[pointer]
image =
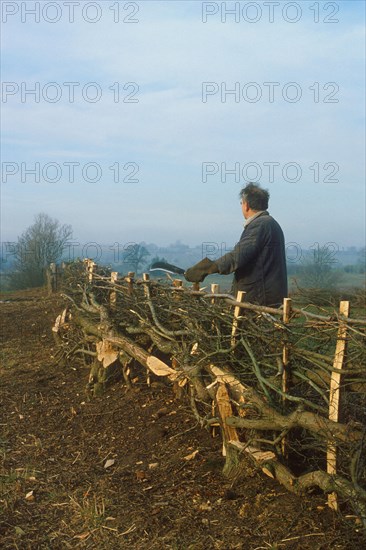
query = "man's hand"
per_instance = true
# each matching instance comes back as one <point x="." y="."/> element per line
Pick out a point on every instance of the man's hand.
<point x="199" y="271"/>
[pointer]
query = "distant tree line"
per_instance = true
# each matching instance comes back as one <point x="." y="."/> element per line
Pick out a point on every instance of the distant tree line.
<point x="46" y="239"/>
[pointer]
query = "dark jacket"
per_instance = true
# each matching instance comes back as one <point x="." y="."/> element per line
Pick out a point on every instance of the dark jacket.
<point x="258" y="262"/>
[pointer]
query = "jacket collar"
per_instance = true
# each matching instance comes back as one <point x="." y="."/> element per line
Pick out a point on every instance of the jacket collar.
<point x="256" y="215"/>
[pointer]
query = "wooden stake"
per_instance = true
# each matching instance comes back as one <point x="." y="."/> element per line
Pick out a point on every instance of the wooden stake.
<point x="52" y="278"/>
<point x="177" y="296"/>
<point x="225" y="410"/>
<point x="113" y="294"/>
<point x="215" y="289"/>
<point x="90" y="264"/>
<point x="146" y="279"/>
<point x="285" y="358"/>
<point x="130" y="280"/>
<point x="240" y="297"/>
<point x="334" y="395"/>
<point x="285" y="352"/>
<point x="286" y="319"/>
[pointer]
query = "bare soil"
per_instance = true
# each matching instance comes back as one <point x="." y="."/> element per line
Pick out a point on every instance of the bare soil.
<point x="163" y="487"/>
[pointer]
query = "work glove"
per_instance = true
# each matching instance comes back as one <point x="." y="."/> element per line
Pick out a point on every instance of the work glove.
<point x="198" y="272"/>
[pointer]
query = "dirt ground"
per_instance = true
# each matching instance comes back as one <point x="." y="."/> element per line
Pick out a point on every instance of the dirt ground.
<point x="129" y="469"/>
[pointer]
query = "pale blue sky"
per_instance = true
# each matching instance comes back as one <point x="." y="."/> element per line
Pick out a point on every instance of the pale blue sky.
<point x="170" y="132"/>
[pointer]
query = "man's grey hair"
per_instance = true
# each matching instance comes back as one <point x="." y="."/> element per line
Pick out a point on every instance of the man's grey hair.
<point x="256" y="197"/>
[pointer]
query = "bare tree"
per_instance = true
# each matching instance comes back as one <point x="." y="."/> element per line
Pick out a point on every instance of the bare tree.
<point x="135" y="256"/>
<point x="38" y="246"/>
<point x="317" y="270"/>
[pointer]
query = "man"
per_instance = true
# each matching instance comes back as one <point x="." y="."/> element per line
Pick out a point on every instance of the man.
<point x="258" y="260"/>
